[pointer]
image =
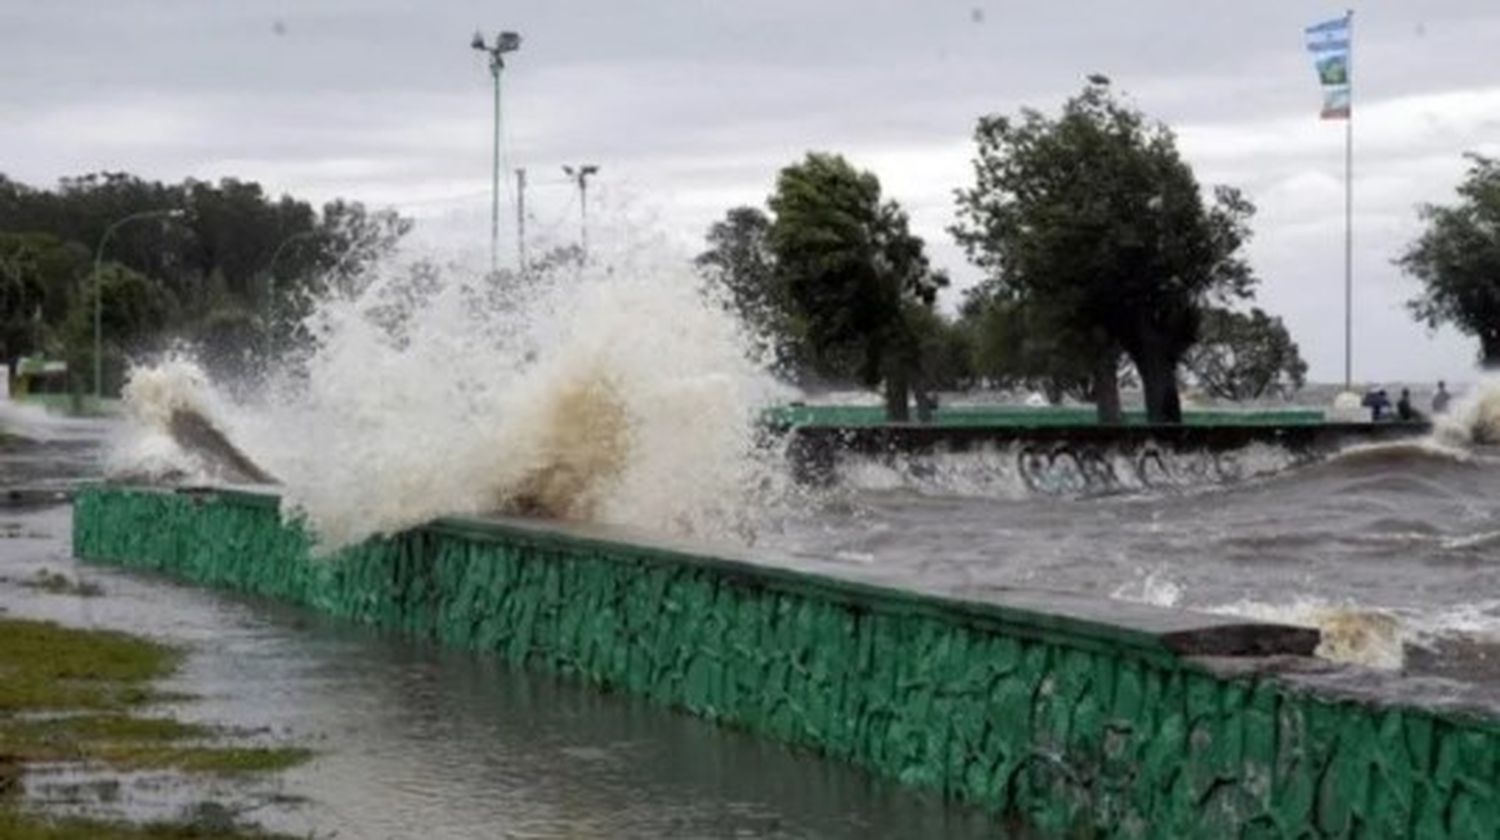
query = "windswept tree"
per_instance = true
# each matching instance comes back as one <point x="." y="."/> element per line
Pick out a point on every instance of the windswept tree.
<point x="1457" y="260"/>
<point x="849" y="266"/>
<point x="1245" y="356"/>
<point x="356" y="238"/>
<point x="1094" y="219"/>
<point x="1019" y="346"/>
<point x="740" y="267"/>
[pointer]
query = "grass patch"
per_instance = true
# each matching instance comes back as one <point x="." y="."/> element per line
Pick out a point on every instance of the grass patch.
<point x="44" y="666"/>
<point x="57" y="583"/>
<point x="66" y="696"/>
<point x="135" y="743"/>
<point x="220" y="760"/>
<point x="16" y="825"/>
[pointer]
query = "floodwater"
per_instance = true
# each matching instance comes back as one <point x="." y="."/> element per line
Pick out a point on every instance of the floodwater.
<point x="413" y="740"/>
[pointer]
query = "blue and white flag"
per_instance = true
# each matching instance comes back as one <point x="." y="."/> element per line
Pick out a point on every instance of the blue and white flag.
<point x="1329" y="44"/>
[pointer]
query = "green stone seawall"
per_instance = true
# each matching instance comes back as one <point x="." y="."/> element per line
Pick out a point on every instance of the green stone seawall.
<point x="1076" y="718"/>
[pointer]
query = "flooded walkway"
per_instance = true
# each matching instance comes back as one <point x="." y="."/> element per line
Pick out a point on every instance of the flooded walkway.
<point x="413" y="740"/>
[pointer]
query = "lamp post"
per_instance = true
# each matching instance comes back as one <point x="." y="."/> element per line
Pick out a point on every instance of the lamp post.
<point x="580" y="174"/>
<point x="504" y="42"/>
<point x="174" y="213"/>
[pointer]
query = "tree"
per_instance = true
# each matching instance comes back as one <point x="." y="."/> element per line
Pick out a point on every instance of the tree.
<point x="212" y="268"/>
<point x="1027" y="346"/>
<point x="1245" y="356"/>
<point x="1094" y="219"/>
<point x="356" y="238"/>
<point x="136" y="313"/>
<point x="1457" y="260"/>
<point x="237" y="230"/>
<point x="945" y="348"/>
<point x="38" y="273"/>
<point x="740" y="266"/>
<point x="848" y="264"/>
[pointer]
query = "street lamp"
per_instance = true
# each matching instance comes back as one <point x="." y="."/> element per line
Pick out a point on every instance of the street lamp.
<point x="504" y="42"/>
<point x="581" y="174"/>
<point x="174" y="213"/>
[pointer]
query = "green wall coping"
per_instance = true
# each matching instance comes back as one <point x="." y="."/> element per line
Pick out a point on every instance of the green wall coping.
<point x="1018" y="415"/>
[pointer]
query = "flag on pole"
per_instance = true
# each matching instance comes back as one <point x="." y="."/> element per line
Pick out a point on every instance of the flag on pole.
<point x="1329" y="44"/>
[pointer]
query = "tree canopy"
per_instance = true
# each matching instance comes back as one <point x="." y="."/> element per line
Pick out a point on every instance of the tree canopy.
<point x="741" y="268"/>
<point x="208" y="273"/>
<point x="1245" y="356"/>
<point x="848" y="265"/>
<point x="1018" y="346"/>
<point x="1457" y="260"/>
<point x="1093" y="222"/>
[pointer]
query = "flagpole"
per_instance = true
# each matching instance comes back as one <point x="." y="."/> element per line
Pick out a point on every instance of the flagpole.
<point x="1349" y="218"/>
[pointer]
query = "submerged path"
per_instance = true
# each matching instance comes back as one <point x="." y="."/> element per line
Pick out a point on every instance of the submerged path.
<point x="416" y="741"/>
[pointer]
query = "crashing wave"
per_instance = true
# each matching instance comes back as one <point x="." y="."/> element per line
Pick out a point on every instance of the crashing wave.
<point x="625" y="397"/>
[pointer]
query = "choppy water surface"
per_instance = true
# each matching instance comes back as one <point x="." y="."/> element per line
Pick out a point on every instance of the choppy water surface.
<point x="1408" y="532"/>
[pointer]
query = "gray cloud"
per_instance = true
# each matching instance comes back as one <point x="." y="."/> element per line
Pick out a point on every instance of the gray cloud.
<point x="693" y="106"/>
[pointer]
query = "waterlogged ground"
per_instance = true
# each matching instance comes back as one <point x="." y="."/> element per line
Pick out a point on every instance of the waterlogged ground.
<point x="81" y="711"/>
<point x="415" y="741"/>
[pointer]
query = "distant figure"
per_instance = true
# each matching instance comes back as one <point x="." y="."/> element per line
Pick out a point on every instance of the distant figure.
<point x="1441" y="398"/>
<point x="927" y="404"/>
<point x="1378" y="403"/>
<point x="1404" y="411"/>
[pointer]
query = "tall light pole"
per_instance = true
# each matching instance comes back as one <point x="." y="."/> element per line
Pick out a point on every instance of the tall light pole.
<point x="99" y="288"/>
<point x="504" y="42"/>
<point x="521" y="220"/>
<point x="581" y="174"/>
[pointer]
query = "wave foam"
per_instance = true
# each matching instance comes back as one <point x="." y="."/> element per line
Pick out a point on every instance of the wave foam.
<point x="625" y="397"/>
<point x="1474" y="418"/>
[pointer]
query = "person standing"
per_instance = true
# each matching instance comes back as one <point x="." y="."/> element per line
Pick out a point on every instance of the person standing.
<point x="1379" y="405"/>
<point x="1404" y="410"/>
<point x="1441" y="398"/>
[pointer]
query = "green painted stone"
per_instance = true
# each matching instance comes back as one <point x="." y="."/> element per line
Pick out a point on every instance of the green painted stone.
<point x="1075" y="724"/>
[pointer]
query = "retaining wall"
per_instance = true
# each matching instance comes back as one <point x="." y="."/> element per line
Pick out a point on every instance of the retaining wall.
<point x="815" y="450"/>
<point x="1072" y="717"/>
<point x="786" y="416"/>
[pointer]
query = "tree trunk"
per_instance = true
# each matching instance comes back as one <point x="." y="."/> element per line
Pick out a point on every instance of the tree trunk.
<point x="1489" y="351"/>
<point x="897" y="391"/>
<point x="1107" y="388"/>
<point x="1159" y="384"/>
<point x="921" y="393"/>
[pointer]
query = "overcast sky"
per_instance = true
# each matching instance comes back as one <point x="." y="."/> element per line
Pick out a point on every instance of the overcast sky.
<point x="691" y="107"/>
